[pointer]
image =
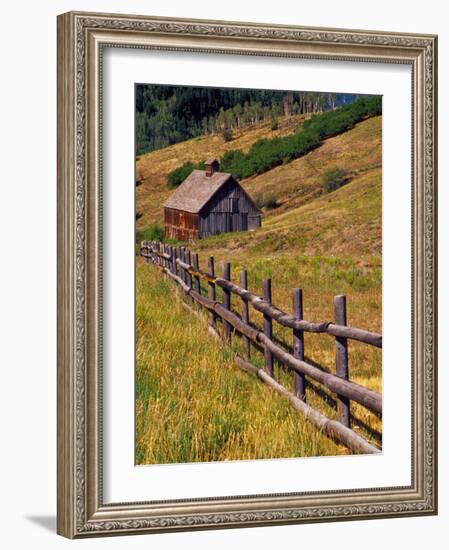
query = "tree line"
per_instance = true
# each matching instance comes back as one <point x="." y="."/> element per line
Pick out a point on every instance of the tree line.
<point x="265" y="153"/>
<point x="169" y="114"/>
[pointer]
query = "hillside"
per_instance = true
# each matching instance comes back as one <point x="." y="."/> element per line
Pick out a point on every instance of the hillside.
<point x="346" y="222"/>
<point x="153" y="167"/>
<point x="357" y="151"/>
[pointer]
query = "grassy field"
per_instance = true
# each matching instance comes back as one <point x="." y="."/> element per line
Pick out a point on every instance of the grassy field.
<point x="193" y="404"/>
<point x="324" y="243"/>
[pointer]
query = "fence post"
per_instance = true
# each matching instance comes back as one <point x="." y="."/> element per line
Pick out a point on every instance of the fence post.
<point x="170" y="260"/>
<point x="196" y="267"/>
<point x="298" y="344"/>
<point x="227" y="301"/>
<point x="174" y="256"/>
<point x="211" y="285"/>
<point x="267" y="327"/>
<point x="245" y="312"/>
<point x="188" y="276"/>
<point x="342" y="366"/>
<point x="182" y="257"/>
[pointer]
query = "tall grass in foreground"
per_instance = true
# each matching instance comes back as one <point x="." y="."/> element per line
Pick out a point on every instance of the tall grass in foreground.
<point x="321" y="278"/>
<point x="192" y="403"/>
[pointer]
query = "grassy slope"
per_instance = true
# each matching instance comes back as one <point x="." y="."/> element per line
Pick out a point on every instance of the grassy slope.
<point x="327" y="244"/>
<point x="193" y="404"/>
<point x="295" y="183"/>
<point x="357" y="151"/>
<point x="346" y="222"/>
<point x="327" y="247"/>
<point x="155" y="166"/>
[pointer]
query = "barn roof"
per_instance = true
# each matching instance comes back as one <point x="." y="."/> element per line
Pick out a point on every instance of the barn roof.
<point x="196" y="190"/>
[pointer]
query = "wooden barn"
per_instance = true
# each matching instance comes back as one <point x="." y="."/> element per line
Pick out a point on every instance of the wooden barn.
<point x="209" y="202"/>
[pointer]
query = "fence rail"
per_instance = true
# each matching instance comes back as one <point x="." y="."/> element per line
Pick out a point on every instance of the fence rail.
<point x="183" y="267"/>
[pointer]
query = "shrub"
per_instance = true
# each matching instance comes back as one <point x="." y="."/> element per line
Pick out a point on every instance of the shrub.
<point x="333" y="179"/>
<point x="274" y="125"/>
<point x="266" y="200"/>
<point x="258" y="199"/>
<point x="334" y="122"/>
<point x="154" y="232"/>
<point x="226" y="133"/>
<point x="230" y="158"/>
<point x="177" y="176"/>
<point x="271" y="200"/>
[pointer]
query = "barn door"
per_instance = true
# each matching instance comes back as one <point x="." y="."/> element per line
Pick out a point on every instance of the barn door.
<point x="239" y="222"/>
<point x="243" y="221"/>
<point x="228" y="222"/>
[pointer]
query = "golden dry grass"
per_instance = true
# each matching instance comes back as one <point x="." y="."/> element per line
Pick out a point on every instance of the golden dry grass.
<point x="193" y="404"/>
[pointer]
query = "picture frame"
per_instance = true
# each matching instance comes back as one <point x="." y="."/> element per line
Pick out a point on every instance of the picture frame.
<point x="82" y="40"/>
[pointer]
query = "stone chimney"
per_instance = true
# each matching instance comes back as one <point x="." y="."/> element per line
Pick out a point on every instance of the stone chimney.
<point x="212" y="166"/>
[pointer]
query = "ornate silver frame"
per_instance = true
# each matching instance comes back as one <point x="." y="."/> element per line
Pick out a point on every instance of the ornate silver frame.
<point x="81" y="37"/>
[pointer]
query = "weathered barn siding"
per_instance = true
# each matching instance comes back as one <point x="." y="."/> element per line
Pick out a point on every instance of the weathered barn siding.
<point x="228" y="210"/>
<point x="254" y="221"/>
<point x="180" y="225"/>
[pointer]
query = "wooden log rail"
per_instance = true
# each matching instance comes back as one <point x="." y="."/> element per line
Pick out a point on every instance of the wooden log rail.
<point x="177" y="265"/>
<point x="284" y="319"/>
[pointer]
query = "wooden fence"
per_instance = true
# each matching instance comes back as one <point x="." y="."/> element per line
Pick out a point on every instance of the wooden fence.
<point x="182" y="266"/>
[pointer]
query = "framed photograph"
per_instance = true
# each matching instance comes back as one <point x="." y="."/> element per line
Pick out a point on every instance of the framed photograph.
<point x="246" y="274"/>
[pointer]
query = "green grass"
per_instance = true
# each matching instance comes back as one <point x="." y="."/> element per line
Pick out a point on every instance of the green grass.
<point x="154" y="232"/>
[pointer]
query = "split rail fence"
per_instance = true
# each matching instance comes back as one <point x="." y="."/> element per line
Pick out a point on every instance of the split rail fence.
<point x="182" y="266"/>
